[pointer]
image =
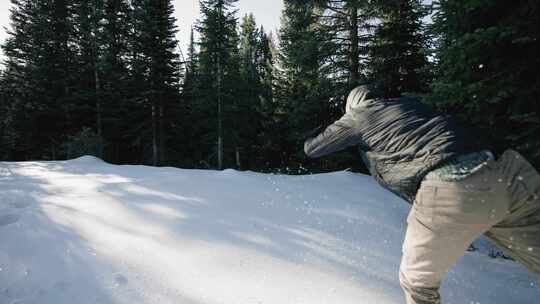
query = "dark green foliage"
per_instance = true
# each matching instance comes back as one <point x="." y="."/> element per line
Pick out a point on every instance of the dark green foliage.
<point x="156" y="78"/>
<point x="264" y="150"/>
<point x="38" y="77"/>
<point x="398" y="52"/>
<point x="239" y="99"/>
<point x="300" y="83"/>
<point x="85" y="142"/>
<point x="114" y="80"/>
<point x="219" y="76"/>
<point x="322" y="56"/>
<point x="189" y="153"/>
<point x="487" y="72"/>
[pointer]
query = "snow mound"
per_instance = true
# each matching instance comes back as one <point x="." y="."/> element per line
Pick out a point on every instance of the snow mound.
<point x="87" y="159"/>
<point x="83" y="231"/>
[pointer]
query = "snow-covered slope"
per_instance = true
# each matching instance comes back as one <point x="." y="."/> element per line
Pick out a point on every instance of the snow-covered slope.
<point x="84" y="231"/>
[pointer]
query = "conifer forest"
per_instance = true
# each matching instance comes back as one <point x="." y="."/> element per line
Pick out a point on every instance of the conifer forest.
<point x="108" y="77"/>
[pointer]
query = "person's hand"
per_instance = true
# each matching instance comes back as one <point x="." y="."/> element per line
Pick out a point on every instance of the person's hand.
<point x="313" y="132"/>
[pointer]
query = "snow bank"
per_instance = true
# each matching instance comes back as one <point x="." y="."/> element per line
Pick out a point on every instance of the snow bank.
<point x="84" y="231"/>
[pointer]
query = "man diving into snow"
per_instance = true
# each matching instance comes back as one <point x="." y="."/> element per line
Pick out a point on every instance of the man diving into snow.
<point x="458" y="190"/>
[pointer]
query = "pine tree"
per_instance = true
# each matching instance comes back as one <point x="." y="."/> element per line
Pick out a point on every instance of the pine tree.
<point x="346" y="27"/>
<point x="11" y="115"/>
<point x="265" y="65"/>
<point x="55" y="63"/>
<point x="39" y="73"/>
<point x="398" y="53"/>
<point x="219" y="75"/>
<point x="114" y="78"/>
<point x="88" y="20"/>
<point x="267" y="152"/>
<point x="156" y="67"/>
<point x="251" y="82"/>
<point x="188" y="130"/>
<point x="300" y="82"/>
<point x="487" y="70"/>
<point x="189" y="86"/>
<point x="15" y="85"/>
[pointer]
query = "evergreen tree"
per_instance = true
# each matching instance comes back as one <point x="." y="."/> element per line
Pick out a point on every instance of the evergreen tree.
<point x="251" y="82"/>
<point x="268" y="135"/>
<point x="219" y="76"/>
<point x="256" y="109"/>
<point x="12" y="110"/>
<point x="191" y="153"/>
<point x="344" y="29"/>
<point x="55" y="72"/>
<point x="39" y="75"/>
<point x="487" y="70"/>
<point x="114" y="78"/>
<point x="264" y="63"/>
<point x="156" y="67"/>
<point x="15" y="85"/>
<point x="346" y="26"/>
<point x="88" y="20"/>
<point x="189" y="86"/>
<point x="398" y="53"/>
<point x="300" y="89"/>
<point x="78" y="73"/>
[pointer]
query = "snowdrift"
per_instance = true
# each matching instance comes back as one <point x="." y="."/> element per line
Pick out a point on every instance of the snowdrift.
<point x="84" y="231"/>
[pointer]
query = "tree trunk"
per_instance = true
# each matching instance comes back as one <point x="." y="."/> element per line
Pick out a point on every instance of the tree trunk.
<point x="154" y="136"/>
<point x="97" y="84"/>
<point x="161" y="131"/>
<point x="220" y="120"/>
<point x="238" y="163"/>
<point x="354" y="60"/>
<point x="53" y="150"/>
<point x="98" y="102"/>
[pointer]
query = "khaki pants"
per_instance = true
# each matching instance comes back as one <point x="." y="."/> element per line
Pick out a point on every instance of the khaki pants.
<point x="500" y="200"/>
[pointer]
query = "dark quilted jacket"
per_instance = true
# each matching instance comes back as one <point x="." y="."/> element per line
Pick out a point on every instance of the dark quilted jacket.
<point x="400" y="139"/>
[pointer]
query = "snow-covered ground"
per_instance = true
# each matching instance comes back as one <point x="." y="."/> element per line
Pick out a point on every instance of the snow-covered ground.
<point x="84" y="231"/>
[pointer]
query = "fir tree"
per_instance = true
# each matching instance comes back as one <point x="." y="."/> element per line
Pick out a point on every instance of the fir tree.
<point x="88" y="20"/>
<point x="191" y="151"/>
<point x="398" y="53"/>
<point x="487" y="70"/>
<point x="346" y="27"/>
<point x="300" y="82"/>
<point x="114" y="79"/>
<point x="15" y="83"/>
<point x="266" y="152"/>
<point x="157" y="70"/>
<point x="39" y="74"/>
<point x="252" y="84"/>
<point x="219" y="77"/>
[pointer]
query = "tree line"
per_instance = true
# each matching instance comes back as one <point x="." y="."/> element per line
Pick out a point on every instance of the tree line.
<point x="107" y="78"/>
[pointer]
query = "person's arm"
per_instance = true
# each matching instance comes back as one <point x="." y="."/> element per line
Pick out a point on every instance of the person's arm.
<point x="335" y="137"/>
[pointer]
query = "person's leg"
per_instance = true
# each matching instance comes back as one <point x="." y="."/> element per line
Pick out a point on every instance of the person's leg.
<point x="519" y="233"/>
<point x="445" y="219"/>
<point x="428" y="254"/>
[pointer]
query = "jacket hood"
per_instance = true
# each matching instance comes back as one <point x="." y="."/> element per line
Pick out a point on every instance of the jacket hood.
<point x="358" y="95"/>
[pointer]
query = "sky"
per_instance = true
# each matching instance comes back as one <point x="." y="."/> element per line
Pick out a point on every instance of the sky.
<point x="266" y="12"/>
